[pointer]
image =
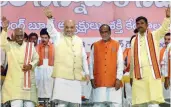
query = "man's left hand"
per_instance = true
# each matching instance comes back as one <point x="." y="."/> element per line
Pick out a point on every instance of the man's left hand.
<point x="117" y="84"/>
<point x="167" y="83"/>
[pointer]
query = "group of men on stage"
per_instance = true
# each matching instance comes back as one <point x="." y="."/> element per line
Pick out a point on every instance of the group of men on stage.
<point x="55" y="71"/>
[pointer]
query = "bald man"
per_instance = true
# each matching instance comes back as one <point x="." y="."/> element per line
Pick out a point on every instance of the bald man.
<point x="16" y="88"/>
<point x="69" y="64"/>
<point x="106" y="70"/>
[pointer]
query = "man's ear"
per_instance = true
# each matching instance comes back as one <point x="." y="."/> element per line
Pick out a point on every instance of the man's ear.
<point x="13" y="36"/>
<point x="147" y="25"/>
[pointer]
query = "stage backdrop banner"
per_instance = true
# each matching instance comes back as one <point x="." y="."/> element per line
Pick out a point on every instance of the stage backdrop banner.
<point x="89" y="15"/>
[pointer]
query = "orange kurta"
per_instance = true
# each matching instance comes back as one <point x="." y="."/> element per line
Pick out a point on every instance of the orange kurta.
<point x="41" y="52"/>
<point x="105" y="63"/>
<point x="127" y="54"/>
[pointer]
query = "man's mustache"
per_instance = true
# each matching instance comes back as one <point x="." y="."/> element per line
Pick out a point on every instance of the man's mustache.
<point x="139" y="28"/>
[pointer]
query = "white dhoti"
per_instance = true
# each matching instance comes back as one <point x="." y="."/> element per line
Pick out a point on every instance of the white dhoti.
<point x="167" y="94"/>
<point x="128" y="90"/>
<point x="44" y="81"/>
<point x="86" y="89"/>
<point x="22" y="103"/>
<point x="104" y="94"/>
<point x="107" y="105"/>
<point x="67" y="90"/>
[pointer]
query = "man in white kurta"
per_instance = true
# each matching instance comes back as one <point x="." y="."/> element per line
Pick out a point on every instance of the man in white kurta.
<point x="103" y="96"/>
<point x="13" y="89"/>
<point x="70" y="62"/>
<point x="165" y="72"/>
<point x="166" y="92"/>
<point x="127" y="97"/>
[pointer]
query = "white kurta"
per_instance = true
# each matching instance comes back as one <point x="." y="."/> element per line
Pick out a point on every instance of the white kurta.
<point x="63" y="89"/>
<point x="104" y="94"/>
<point x="44" y="81"/>
<point x="166" y="92"/>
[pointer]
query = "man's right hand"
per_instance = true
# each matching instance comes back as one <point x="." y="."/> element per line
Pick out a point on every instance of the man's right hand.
<point x="167" y="83"/>
<point x="5" y="23"/>
<point x="2" y="69"/>
<point x="131" y="81"/>
<point x="92" y="83"/>
<point x="48" y="12"/>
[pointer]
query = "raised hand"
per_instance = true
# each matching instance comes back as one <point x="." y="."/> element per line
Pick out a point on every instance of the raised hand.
<point x="48" y="12"/>
<point x="5" y="23"/>
<point x="167" y="83"/>
<point x="168" y="12"/>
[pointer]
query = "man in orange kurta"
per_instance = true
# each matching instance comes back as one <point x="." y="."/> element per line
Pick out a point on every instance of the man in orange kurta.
<point x="45" y="66"/>
<point x="106" y="70"/>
